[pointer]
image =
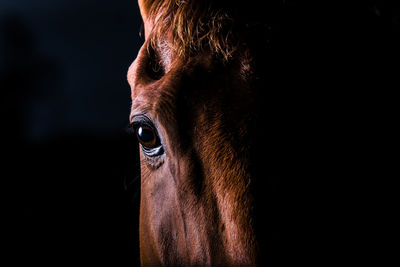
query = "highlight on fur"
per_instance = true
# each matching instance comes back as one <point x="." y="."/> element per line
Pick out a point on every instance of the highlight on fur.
<point x="191" y="26"/>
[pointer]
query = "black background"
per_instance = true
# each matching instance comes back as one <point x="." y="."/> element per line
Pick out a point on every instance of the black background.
<point x="68" y="168"/>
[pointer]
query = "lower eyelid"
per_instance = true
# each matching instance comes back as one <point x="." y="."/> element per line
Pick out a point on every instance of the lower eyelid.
<point x="154" y="151"/>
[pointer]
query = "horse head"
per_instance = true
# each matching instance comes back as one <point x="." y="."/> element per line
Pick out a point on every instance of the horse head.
<point x="195" y="112"/>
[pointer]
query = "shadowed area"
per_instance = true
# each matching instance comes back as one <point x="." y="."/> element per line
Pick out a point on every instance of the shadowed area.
<point x="70" y="173"/>
<point x="69" y="170"/>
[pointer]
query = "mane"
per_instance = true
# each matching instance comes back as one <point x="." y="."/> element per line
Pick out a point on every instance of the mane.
<point x="192" y="26"/>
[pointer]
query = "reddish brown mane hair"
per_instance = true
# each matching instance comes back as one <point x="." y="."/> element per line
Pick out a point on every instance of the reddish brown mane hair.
<point x="192" y="25"/>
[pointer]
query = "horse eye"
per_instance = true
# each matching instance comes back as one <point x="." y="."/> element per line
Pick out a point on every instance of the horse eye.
<point x="147" y="137"/>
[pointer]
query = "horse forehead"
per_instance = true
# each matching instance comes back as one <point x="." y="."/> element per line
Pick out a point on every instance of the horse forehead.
<point x="142" y="84"/>
<point x="157" y="98"/>
<point x="177" y="85"/>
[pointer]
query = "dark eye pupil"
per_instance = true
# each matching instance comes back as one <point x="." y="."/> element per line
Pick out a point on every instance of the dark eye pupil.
<point x="146" y="136"/>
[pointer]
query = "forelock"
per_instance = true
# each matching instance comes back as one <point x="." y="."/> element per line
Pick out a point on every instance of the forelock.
<point x="190" y="26"/>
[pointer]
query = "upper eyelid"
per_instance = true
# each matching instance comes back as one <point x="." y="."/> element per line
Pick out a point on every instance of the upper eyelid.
<point x="137" y="119"/>
<point x="140" y="118"/>
<point x="134" y="116"/>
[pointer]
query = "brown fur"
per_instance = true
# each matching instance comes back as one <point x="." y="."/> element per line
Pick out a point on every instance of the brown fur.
<point x="196" y="208"/>
<point x="256" y="140"/>
<point x="191" y="26"/>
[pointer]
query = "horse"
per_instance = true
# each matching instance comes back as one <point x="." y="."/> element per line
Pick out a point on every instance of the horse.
<point x="221" y="115"/>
